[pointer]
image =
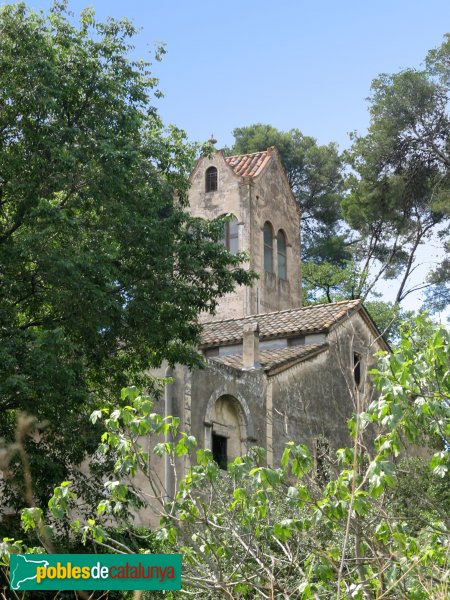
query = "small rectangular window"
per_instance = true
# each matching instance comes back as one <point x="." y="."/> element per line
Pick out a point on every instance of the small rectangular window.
<point x="322" y="456"/>
<point x="219" y="450"/>
<point x="210" y="352"/>
<point x="357" y="368"/>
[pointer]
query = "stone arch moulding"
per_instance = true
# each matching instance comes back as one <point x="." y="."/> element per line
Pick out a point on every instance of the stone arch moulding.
<point x="245" y="413"/>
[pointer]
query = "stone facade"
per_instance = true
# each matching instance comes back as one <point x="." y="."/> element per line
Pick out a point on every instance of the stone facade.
<point x="301" y="387"/>
<point x="254" y="189"/>
<point x="294" y="375"/>
<point x="274" y="371"/>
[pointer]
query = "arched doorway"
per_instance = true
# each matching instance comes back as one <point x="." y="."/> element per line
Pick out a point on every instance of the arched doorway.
<point x="228" y="427"/>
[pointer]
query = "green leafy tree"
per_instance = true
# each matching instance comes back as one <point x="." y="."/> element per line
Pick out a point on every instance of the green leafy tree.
<point x="328" y="282"/>
<point x="438" y="296"/>
<point x="399" y="193"/>
<point x="102" y="270"/>
<point x="325" y="282"/>
<point x="285" y="532"/>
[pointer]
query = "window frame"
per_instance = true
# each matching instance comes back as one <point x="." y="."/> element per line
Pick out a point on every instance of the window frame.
<point x="211" y="179"/>
<point x="357" y="369"/>
<point x="282" y="253"/>
<point x="268" y="248"/>
<point x="230" y="235"/>
<point x="221" y="457"/>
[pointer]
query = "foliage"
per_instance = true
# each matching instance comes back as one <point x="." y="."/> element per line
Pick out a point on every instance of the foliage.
<point x="418" y="494"/>
<point x="388" y="318"/>
<point x="414" y="383"/>
<point x="102" y="271"/>
<point x="328" y="282"/>
<point x="325" y="282"/>
<point x="399" y="192"/>
<point x="263" y="532"/>
<point x="438" y="296"/>
<point x="396" y="196"/>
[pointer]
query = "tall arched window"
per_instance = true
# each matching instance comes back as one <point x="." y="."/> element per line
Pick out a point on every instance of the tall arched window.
<point x="211" y="179"/>
<point x="268" y="248"/>
<point x="231" y="236"/>
<point x="281" y="253"/>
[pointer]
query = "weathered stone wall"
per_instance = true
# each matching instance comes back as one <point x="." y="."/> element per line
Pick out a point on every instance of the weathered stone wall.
<point x="253" y="201"/>
<point x="217" y="381"/>
<point x="210" y="205"/>
<point x="308" y="402"/>
<point x="150" y="516"/>
<point x="316" y="398"/>
<point x="272" y="201"/>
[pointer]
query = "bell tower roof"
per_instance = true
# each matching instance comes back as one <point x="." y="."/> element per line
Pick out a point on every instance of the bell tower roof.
<point x="249" y="165"/>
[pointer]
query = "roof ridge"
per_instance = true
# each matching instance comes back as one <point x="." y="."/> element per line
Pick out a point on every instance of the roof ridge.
<point x="293" y="349"/>
<point x="250" y="164"/>
<point x="285" y="310"/>
<point x="247" y="154"/>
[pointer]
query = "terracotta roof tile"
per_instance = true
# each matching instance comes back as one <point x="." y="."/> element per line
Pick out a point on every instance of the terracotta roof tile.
<point x="249" y="165"/>
<point x="276" y="359"/>
<point x="284" y="323"/>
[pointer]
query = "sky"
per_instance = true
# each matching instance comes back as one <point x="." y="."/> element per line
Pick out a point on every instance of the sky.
<point x="291" y="64"/>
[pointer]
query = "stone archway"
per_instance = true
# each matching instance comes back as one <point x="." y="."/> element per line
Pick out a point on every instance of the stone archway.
<point x="228" y="422"/>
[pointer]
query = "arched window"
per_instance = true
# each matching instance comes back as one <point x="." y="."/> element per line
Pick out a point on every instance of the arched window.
<point x="231" y="236"/>
<point x="281" y="253"/>
<point x="268" y="248"/>
<point x="211" y="179"/>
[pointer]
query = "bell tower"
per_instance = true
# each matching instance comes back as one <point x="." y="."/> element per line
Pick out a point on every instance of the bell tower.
<point x="266" y="225"/>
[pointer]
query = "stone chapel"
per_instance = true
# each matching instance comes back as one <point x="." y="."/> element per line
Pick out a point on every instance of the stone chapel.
<point x="274" y="371"/>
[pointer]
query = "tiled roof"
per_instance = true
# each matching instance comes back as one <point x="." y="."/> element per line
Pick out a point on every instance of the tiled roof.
<point x="277" y="359"/>
<point x="249" y="165"/>
<point x="284" y="323"/>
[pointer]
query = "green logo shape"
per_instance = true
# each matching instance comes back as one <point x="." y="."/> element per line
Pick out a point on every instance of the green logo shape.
<point x="95" y="571"/>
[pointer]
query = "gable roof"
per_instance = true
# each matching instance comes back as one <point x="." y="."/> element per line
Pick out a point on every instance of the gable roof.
<point x="284" y="323"/>
<point x="275" y="360"/>
<point x="249" y="165"/>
